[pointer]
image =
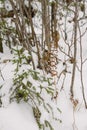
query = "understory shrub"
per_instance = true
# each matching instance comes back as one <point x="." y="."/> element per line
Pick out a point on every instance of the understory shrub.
<point x="36" y="89"/>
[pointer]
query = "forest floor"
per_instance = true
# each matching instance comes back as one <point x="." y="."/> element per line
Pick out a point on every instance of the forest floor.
<point x="20" y="116"/>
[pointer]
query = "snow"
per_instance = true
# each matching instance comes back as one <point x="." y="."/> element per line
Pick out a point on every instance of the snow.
<point x="14" y="116"/>
<point x="20" y="116"/>
<point x="17" y="117"/>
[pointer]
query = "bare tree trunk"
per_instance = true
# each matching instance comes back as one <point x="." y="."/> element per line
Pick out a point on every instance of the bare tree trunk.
<point x="46" y="22"/>
<point x="81" y="72"/>
<point x="75" y="50"/>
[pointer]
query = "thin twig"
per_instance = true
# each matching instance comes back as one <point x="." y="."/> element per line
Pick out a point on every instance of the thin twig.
<point x="74" y="123"/>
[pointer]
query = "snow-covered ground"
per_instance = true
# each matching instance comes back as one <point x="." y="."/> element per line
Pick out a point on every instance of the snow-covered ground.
<point x="13" y="116"/>
<point x="16" y="116"/>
